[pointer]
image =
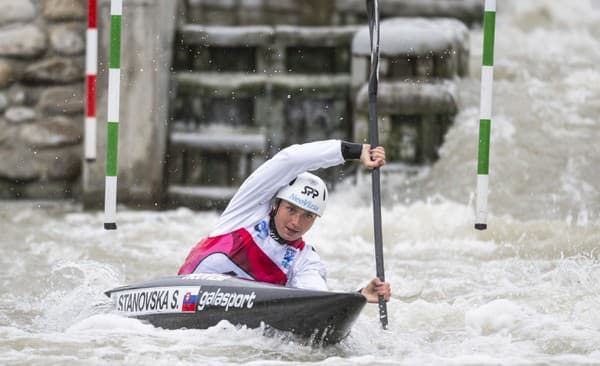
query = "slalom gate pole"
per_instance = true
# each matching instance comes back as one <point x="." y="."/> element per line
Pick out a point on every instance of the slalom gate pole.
<point x="91" y="69"/>
<point x="485" y="114"/>
<point x="112" y="136"/>
<point x="373" y="16"/>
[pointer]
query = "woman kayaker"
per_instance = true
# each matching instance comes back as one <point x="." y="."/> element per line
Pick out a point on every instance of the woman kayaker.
<point x="259" y="235"/>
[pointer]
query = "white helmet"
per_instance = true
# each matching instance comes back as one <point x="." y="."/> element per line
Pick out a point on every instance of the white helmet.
<point x="307" y="191"/>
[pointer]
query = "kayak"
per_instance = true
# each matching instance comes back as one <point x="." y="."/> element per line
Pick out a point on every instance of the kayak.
<point x="201" y="300"/>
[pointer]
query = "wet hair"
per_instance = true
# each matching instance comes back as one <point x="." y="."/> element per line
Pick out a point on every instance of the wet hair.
<point x="275" y="206"/>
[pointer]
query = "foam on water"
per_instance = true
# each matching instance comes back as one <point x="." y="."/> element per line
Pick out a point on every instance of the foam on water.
<point x="457" y="290"/>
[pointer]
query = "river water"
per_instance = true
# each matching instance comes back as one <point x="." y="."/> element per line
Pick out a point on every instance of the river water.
<point x="526" y="291"/>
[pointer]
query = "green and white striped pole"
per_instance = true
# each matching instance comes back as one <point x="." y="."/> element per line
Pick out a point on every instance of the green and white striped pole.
<point x="112" y="137"/>
<point x="485" y="114"/>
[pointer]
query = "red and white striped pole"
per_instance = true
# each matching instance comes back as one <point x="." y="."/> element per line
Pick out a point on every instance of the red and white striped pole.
<point x="91" y="69"/>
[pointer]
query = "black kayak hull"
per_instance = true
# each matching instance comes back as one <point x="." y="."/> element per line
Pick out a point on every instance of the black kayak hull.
<point x="202" y="300"/>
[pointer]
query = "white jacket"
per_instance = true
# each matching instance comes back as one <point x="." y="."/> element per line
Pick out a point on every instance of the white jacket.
<point x="229" y="249"/>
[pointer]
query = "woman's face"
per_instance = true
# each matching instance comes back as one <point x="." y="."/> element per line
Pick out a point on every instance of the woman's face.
<point x="292" y="221"/>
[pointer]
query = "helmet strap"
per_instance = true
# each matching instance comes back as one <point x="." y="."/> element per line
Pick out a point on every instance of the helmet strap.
<point x="273" y="230"/>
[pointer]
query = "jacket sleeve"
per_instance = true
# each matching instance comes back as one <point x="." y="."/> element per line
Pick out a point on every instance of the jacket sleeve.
<point x="252" y="201"/>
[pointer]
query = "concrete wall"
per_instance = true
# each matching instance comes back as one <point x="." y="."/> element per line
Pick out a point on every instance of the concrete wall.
<point x="322" y="12"/>
<point x="147" y="31"/>
<point x="42" y="46"/>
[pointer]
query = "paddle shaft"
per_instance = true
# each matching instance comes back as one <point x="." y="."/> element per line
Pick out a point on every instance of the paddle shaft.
<point x="373" y="15"/>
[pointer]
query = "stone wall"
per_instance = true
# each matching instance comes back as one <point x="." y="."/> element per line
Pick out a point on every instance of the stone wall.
<point x="42" y="68"/>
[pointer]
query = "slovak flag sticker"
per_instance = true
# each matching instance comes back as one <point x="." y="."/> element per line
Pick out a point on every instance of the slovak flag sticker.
<point x="189" y="303"/>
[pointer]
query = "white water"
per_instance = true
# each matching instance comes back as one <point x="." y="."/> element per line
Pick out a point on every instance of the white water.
<point x="525" y="291"/>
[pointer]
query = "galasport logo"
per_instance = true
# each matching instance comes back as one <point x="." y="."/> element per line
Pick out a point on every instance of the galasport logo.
<point x="310" y="191"/>
<point x="154" y="300"/>
<point x="225" y="299"/>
